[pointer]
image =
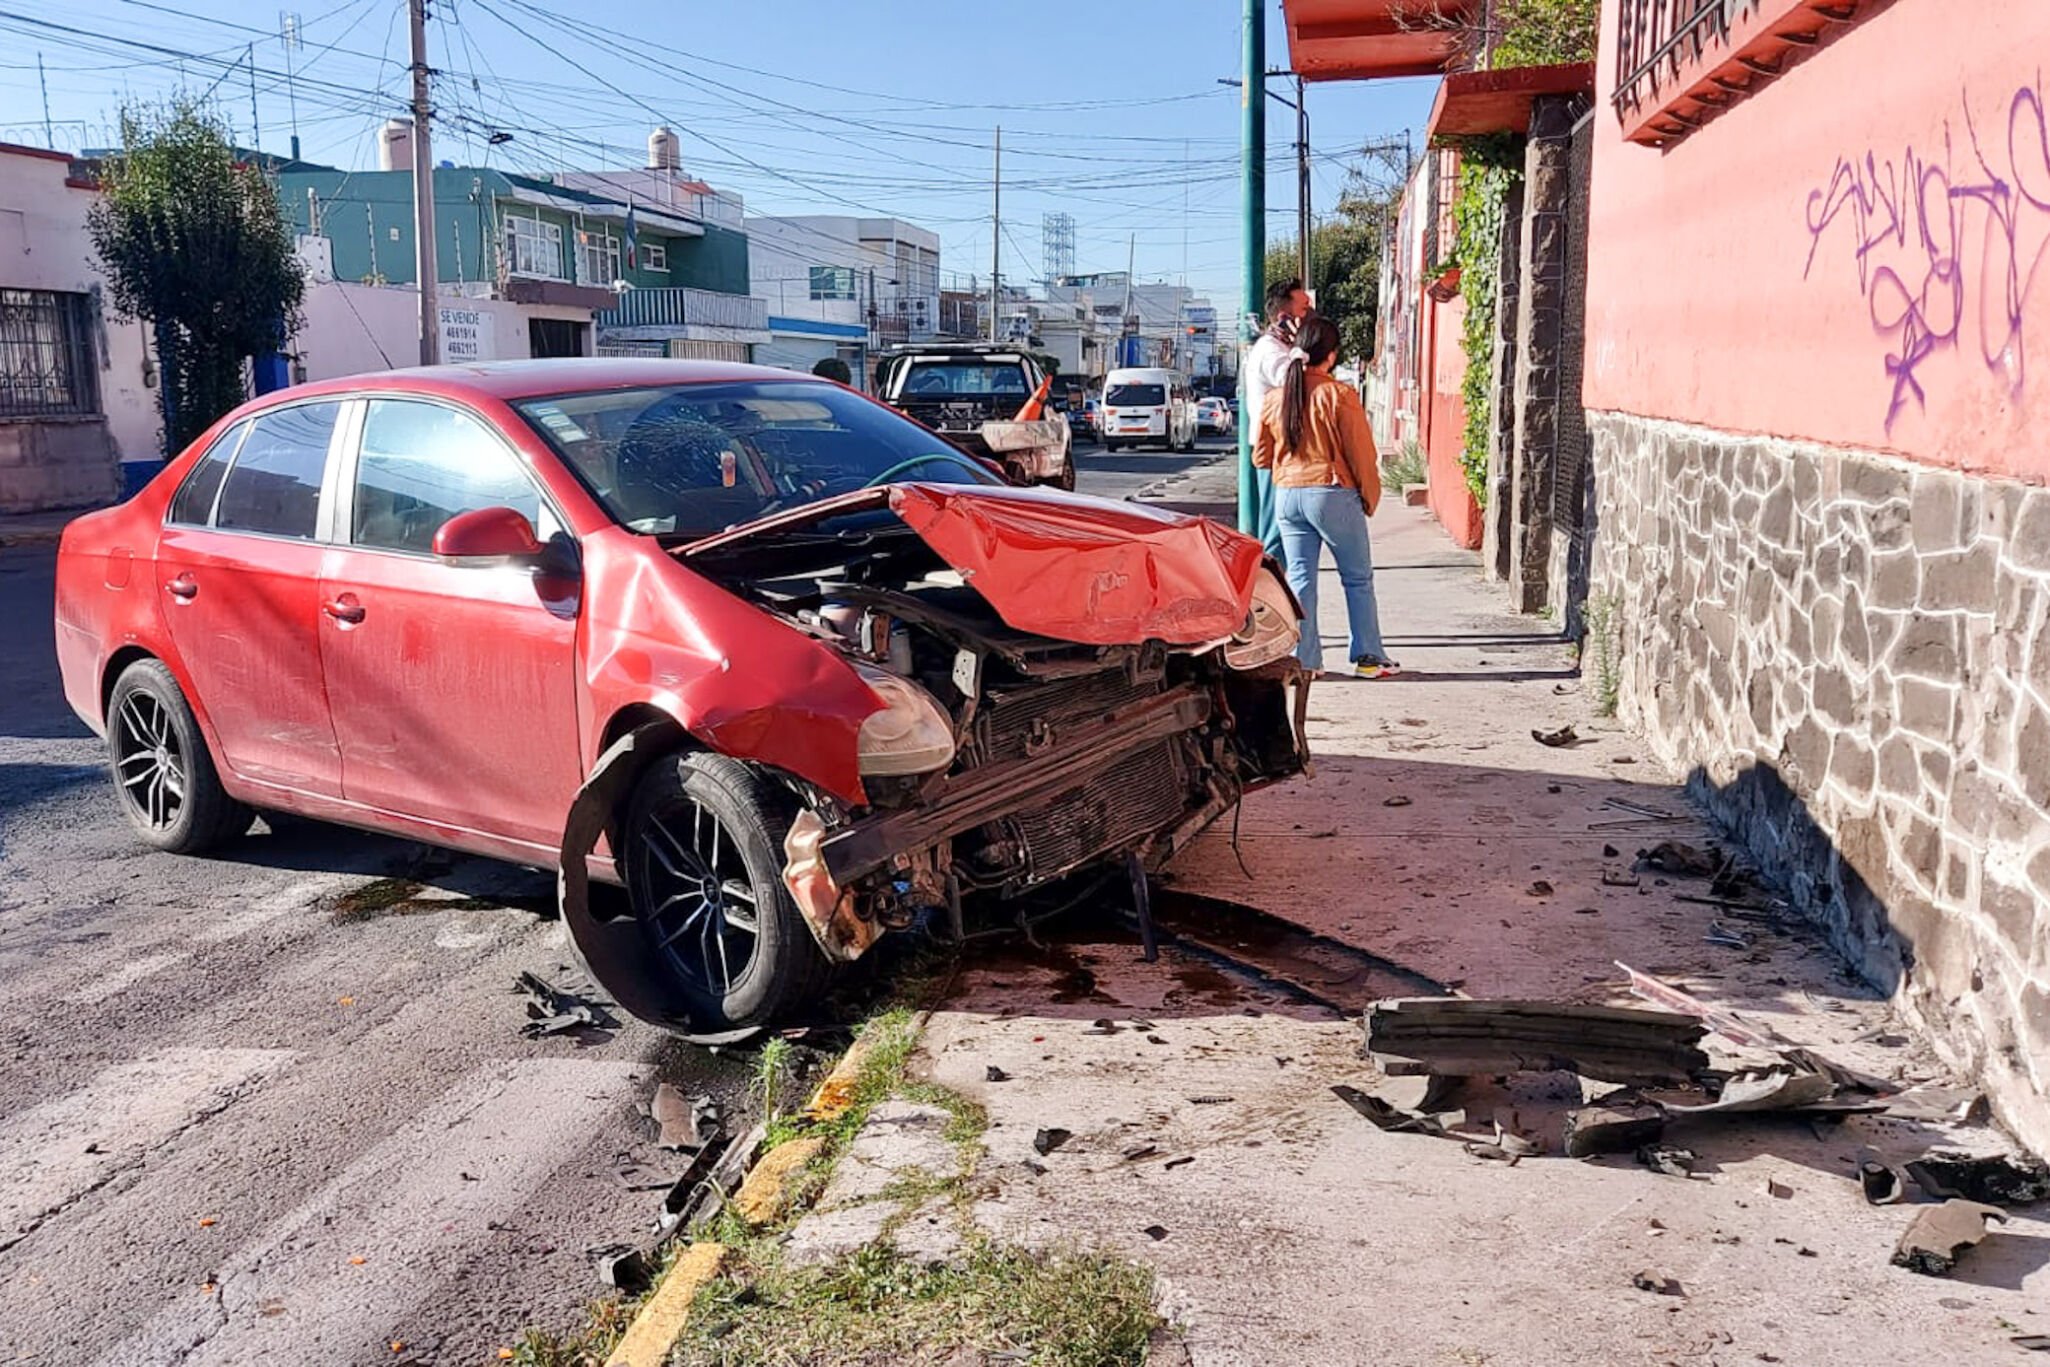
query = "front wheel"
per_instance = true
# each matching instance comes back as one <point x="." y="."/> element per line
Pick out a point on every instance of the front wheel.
<point x="704" y="874"/>
<point x="168" y="787"/>
<point x="1065" y="481"/>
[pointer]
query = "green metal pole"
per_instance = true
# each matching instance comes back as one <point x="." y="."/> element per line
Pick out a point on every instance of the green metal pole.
<point x="1253" y="203"/>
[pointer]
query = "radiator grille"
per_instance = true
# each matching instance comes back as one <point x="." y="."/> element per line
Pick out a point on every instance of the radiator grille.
<point x="1009" y="723"/>
<point x="1142" y="793"/>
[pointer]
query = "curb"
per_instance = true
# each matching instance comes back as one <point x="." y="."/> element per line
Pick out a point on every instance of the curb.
<point x="763" y="1197"/>
<point x="662" y="1316"/>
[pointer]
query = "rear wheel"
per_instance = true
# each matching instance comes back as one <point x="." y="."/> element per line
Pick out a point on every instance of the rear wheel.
<point x="168" y="787"/>
<point x="1066" y="479"/>
<point x="704" y="874"/>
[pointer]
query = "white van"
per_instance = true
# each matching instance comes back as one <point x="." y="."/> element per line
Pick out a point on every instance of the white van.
<point x="1147" y="405"/>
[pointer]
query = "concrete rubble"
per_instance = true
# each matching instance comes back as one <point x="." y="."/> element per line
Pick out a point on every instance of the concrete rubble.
<point x="1219" y="1130"/>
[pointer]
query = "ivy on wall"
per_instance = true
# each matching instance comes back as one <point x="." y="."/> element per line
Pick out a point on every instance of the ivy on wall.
<point x="1516" y="33"/>
<point x="1488" y="168"/>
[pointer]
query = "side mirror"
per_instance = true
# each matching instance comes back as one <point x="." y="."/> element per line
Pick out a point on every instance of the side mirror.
<point x="487" y="534"/>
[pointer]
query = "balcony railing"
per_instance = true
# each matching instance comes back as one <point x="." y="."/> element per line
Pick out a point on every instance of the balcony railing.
<point x="1658" y="40"/>
<point x="1680" y="62"/>
<point x="684" y="307"/>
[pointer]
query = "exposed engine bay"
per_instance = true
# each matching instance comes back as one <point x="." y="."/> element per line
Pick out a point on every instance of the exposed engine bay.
<point x="1003" y="759"/>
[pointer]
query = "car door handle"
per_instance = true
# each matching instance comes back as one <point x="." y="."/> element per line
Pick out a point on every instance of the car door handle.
<point x="344" y="609"/>
<point x="184" y="588"/>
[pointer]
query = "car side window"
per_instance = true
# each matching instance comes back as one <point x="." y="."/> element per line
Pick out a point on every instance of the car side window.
<point x="274" y="484"/>
<point x="194" y="504"/>
<point x="421" y="464"/>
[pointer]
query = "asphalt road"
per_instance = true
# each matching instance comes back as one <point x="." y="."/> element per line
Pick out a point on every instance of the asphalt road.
<point x="246" y="1116"/>
<point x="1129" y="472"/>
<point x="250" y="1114"/>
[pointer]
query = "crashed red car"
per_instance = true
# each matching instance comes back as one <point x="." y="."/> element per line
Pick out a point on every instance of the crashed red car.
<point x="775" y="658"/>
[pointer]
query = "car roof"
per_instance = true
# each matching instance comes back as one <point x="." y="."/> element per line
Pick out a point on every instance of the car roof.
<point x="529" y="379"/>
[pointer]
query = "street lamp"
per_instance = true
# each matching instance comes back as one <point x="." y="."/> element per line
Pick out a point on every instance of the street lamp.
<point x="1302" y="163"/>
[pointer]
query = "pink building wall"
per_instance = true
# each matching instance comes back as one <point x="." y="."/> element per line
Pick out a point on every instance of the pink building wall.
<point x="1852" y="254"/>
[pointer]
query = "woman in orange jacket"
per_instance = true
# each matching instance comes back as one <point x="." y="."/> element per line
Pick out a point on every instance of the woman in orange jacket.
<point x="1313" y="435"/>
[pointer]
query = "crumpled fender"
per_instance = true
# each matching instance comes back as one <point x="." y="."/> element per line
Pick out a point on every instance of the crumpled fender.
<point x="743" y="682"/>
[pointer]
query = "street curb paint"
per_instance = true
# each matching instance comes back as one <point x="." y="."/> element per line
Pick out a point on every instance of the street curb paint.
<point x="662" y="1316"/>
<point x="767" y="1191"/>
<point x="835" y="1095"/>
<point x="654" y="1329"/>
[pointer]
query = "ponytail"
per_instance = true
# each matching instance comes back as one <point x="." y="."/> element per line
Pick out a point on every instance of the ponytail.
<point x="1295" y="398"/>
<point x="1316" y="342"/>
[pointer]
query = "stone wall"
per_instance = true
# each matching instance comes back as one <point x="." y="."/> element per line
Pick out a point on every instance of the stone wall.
<point x="56" y="463"/>
<point x="1848" y="653"/>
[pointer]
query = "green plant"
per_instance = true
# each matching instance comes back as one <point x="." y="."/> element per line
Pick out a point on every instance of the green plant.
<point x="1488" y="168"/>
<point x="193" y="242"/>
<point x="1604" y="637"/>
<point x="1406" y="466"/>
<point x="1543" y="32"/>
<point x="772" y="1067"/>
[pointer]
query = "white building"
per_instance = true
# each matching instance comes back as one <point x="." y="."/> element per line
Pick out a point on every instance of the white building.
<point x="838" y="285"/>
<point x="1173" y="326"/>
<point x="77" y="385"/>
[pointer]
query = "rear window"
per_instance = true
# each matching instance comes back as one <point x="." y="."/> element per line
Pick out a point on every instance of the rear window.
<point x="274" y="486"/>
<point x="1137" y="395"/>
<point x="933" y="379"/>
<point x="194" y="505"/>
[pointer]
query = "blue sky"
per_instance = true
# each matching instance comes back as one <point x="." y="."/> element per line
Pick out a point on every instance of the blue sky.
<point x="1111" y="112"/>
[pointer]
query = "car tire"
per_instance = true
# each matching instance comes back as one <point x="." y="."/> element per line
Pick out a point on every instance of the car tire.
<point x="1110" y="448"/>
<point x="697" y="814"/>
<point x="1065" y="481"/>
<point x="164" y="776"/>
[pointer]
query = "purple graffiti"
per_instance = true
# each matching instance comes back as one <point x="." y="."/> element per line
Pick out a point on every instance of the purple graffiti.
<point x="1941" y="247"/>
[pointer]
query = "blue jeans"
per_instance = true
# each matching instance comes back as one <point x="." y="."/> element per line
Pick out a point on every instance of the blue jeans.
<point x="1311" y="519"/>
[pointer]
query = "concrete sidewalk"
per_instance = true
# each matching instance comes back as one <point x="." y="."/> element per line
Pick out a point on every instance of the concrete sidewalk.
<point x="1439" y="841"/>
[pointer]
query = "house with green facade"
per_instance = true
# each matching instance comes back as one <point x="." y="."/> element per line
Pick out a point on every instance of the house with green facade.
<point x="660" y="261"/>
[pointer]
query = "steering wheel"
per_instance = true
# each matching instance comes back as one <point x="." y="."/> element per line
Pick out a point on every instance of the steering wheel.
<point x="912" y="464"/>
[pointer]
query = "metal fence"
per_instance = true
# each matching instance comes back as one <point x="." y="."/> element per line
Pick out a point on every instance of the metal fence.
<point x="1657" y="40"/>
<point x="46" y="355"/>
<point x="680" y="306"/>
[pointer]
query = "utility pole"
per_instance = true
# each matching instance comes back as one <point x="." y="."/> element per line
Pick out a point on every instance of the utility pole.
<point x="996" y="234"/>
<point x="1302" y="173"/>
<point x="49" y="137"/>
<point x="288" y="32"/>
<point x="1253" y="208"/>
<point x="1126" y="323"/>
<point x="255" y="121"/>
<point x="423" y="190"/>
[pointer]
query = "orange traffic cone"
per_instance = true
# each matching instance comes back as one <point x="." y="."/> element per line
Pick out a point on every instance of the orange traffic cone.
<point x="1036" y="405"/>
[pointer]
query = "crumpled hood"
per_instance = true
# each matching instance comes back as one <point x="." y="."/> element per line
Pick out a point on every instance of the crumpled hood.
<point x="1066" y="566"/>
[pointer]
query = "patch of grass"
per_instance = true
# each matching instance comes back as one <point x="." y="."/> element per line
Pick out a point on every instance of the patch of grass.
<point x="1059" y="1309"/>
<point x="772" y="1066"/>
<point x="1604" y="641"/>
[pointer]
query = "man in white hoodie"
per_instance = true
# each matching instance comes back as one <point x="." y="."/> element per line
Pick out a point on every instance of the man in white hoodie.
<point x="1288" y="303"/>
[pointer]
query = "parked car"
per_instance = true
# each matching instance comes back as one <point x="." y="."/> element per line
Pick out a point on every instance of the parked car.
<point x="1082" y="421"/>
<point x="770" y="655"/>
<point x="1146" y="405"/>
<point x="971" y="394"/>
<point x="1214" y="415"/>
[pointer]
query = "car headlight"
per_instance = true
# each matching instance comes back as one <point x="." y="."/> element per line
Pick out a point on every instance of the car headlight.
<point x="911" y="735"/>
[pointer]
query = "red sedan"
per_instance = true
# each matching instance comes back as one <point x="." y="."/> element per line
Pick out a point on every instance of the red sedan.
<point x="782" y="662"/>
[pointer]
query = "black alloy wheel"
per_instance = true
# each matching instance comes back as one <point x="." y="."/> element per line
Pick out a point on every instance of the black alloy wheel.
<point x="704" y="875"/>
<point x="168" y="786"/>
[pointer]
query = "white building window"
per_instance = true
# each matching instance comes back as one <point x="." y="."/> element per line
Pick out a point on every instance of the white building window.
<point x="655" y="256"/>
<point x="533" y="247"/>
<point x="832" y="282"/>
<point x="597" y="258"/>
